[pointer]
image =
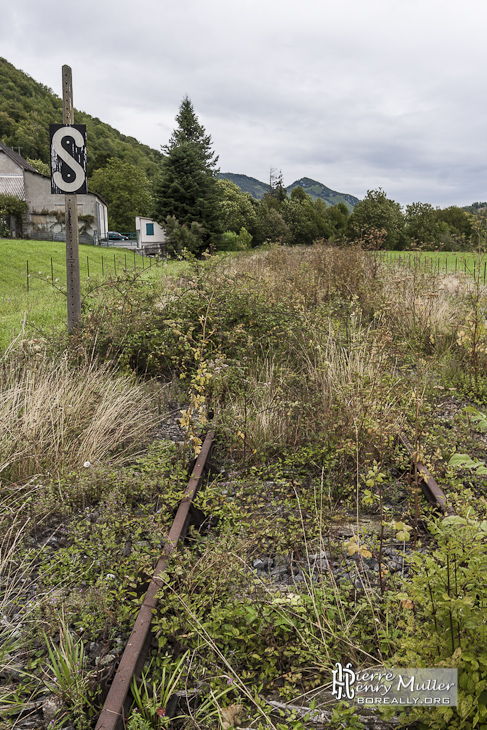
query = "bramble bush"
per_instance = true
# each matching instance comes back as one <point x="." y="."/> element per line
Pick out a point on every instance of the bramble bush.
<point x="444" y="620"/>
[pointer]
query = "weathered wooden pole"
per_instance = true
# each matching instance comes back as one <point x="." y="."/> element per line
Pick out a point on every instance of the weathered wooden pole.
<point x="71" y="207"/>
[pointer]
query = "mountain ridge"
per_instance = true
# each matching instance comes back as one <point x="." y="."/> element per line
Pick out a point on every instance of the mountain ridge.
<point x="315" y="189"/>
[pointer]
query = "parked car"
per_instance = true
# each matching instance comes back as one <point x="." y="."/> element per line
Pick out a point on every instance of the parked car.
<point x="115" y="236"/>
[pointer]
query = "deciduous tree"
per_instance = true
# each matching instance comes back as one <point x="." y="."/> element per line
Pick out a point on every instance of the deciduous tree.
<point x="376" y="213"/>
<point x="126" y="190"/>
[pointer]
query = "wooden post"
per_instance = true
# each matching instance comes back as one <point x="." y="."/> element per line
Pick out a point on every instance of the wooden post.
<point x="71" y="207"/>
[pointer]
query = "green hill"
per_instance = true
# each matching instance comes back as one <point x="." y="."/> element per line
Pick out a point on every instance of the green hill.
<point x="28" y="107"/>
<point x="318" y="190"/>
<point x="315" y="189"/>
<point x="247" y="184"/>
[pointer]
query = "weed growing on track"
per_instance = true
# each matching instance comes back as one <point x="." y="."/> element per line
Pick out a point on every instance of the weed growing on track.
<point x="315" y="358"/>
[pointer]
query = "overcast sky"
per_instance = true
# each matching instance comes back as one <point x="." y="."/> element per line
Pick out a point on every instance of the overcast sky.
<point x="357" y="94"/>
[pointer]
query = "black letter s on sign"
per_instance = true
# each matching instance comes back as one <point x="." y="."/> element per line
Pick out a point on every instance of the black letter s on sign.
<point x="58" y="149"/>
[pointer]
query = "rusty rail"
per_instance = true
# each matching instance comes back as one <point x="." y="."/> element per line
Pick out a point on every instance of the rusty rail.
<point x="138" y="645"/>
<point x="429" y="487"/>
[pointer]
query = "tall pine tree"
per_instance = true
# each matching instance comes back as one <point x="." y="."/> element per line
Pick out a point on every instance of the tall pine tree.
<point x="187" y="190"/>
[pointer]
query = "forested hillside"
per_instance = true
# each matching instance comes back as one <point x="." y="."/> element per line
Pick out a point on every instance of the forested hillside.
<point x="28" y="107"/>
<point x="313" y="188"/>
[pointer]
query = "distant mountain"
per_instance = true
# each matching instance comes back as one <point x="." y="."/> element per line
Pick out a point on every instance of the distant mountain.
<point x="247" y="184"/>
<point x="315" y="189"/>
<point x="475" y="207"/>
<point x="318" y="190"/>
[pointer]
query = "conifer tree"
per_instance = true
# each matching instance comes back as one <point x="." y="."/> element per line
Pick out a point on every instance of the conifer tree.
<point x="187" y="189"/>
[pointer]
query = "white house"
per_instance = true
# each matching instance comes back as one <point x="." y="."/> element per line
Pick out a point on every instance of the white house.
<point x="151" y="237"/>
<point x="44" y="219"/>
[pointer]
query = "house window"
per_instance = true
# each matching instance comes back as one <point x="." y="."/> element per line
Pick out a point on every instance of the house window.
<point x="149" y="229"/>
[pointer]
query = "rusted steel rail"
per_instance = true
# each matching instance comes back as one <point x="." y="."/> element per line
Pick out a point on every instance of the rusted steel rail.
<point x="429" y="487"/>
<point x="117" y="702"/>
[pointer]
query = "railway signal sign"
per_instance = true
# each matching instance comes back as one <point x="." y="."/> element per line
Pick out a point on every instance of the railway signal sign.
<point x="68" y="159"/>
<point x="68" y="177"/>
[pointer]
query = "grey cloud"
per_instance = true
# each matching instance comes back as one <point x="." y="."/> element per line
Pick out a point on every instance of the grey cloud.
<point x="358" y="95"/>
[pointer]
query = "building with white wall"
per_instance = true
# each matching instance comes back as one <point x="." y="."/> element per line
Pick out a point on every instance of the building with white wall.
<point x="44" y="219"/>
<point x="151" y="237"/>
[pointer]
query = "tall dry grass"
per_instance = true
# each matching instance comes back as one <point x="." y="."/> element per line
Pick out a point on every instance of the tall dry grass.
<point x="54" y="417"/>
<point x="424" y="305"/>
<point x="326" y="376"/>
<point x="307" y="277"/>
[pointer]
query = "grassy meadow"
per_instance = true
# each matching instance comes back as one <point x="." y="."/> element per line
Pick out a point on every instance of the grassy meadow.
<point x="33" y="281"/>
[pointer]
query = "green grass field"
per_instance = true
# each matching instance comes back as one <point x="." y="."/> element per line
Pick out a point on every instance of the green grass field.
<point x="28" y="270"/>
<point x="442" y="261"/>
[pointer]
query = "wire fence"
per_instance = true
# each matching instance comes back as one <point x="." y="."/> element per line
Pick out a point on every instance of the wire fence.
<point x="104" y="265"/>
<point x="43" y="235"/>
<point x="473" y="265"/>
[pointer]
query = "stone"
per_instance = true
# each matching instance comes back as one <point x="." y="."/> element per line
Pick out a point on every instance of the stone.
<point x="94" y="649"/>
<point x="51" y="707"/>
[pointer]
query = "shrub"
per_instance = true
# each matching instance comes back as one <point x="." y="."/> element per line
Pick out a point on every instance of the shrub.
<point x="447" y="627"/>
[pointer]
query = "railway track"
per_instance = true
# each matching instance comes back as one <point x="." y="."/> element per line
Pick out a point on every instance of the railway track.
<point x="117" y="703"/>
<point x="118" y="700"/>
<point x="432" y="492"/>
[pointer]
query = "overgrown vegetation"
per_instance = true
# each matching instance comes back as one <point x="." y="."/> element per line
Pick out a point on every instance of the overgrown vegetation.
<point x="314" y="358"/>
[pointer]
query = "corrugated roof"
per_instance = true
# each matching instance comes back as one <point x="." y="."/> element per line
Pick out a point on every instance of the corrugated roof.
<point x="18" y="159"/>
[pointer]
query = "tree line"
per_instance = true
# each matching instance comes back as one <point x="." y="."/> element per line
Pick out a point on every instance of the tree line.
<point x="382" y="223"/>
<point x="199" y="210"/>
